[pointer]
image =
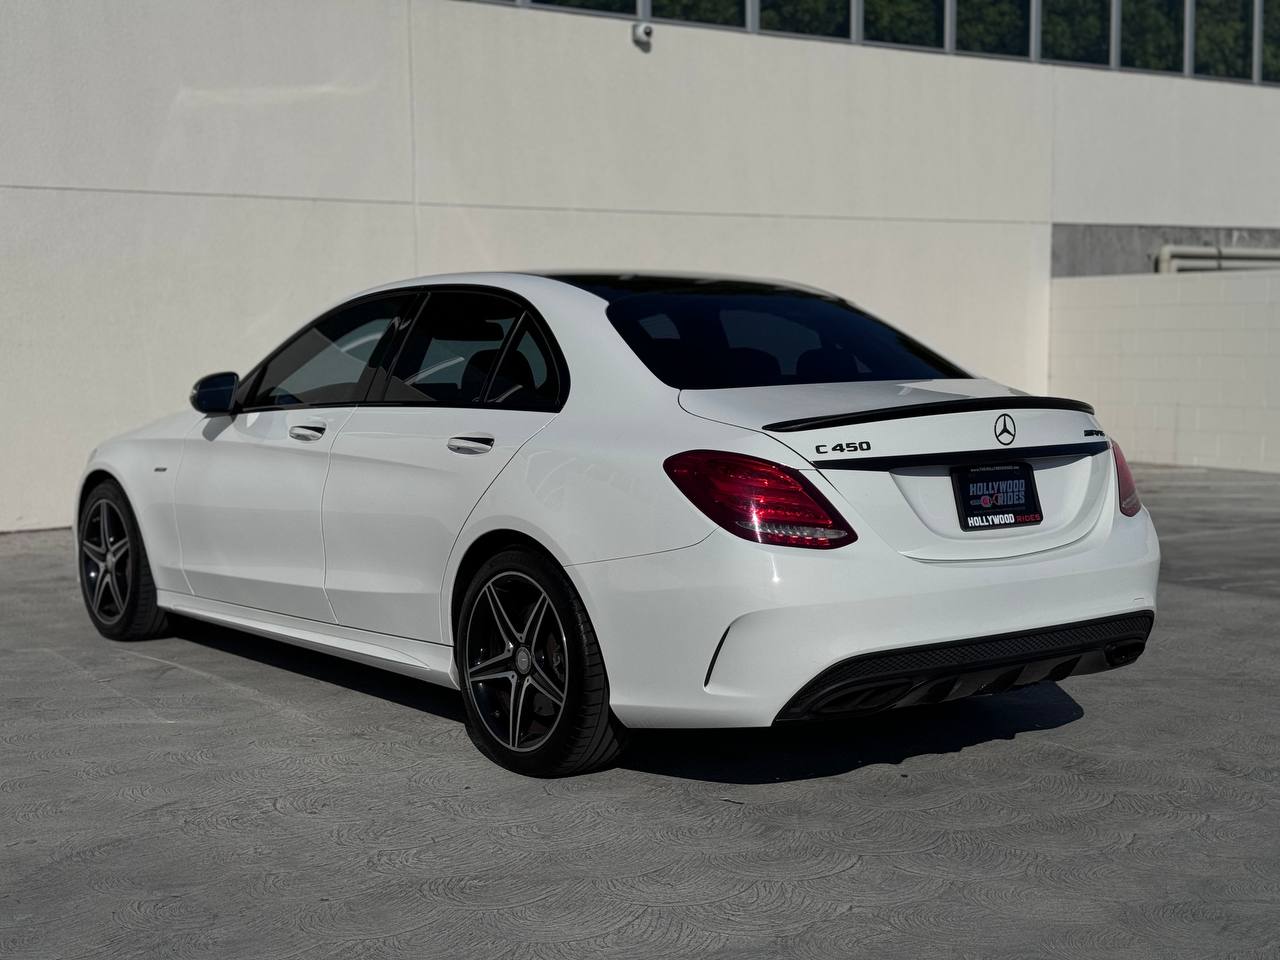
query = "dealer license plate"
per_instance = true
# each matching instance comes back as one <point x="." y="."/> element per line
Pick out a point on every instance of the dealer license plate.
<point x="992" y="496"/>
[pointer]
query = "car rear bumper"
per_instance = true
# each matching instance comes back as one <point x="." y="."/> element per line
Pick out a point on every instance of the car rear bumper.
<point x="728" y="633"/>
<point x="933" y="673"/>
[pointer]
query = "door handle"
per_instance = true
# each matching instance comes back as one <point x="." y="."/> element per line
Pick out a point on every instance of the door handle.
<point x="306" y="432"/>
<point x="470" y="445"/>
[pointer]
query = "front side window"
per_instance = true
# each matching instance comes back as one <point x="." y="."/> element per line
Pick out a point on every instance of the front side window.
<point x="452" y="351"/>
<point x="329" y="363"/>
<point x="715" y="340"/>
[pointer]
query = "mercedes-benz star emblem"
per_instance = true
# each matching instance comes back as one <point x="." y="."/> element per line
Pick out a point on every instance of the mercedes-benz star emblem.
<point x="1006" y="429"/>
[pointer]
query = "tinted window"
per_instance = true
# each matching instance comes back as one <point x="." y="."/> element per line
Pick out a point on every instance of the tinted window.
<point x="694" y="340"/>
<point x="526" y="376"/>
<point x="1151" y="34"/>
<point x="327" y="362"/>
<point x="826" y="18"/>
<point x="914" y="22"/>
<point x="451" y="351"/>
<point x="1271" y="42"/>
<point x="1076" y="31"/>
<point x="609" y="6"/>
<point x="1224" y="38"/>
<point x="994" y="26"/>
<point x="728" y="12"/>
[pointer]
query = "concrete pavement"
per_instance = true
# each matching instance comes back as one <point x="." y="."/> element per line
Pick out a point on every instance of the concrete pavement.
<point x="217" y="795"/>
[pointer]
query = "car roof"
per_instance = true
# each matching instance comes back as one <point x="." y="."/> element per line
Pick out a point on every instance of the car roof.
<point x="609" y="286"/>
<point x="615" y="286"/>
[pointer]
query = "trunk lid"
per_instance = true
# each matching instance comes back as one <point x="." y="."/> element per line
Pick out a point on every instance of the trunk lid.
<point x="891" y="448"/>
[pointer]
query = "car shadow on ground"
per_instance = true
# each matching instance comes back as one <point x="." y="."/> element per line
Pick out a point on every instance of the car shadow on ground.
<point x="325" y="667"/>
<point x="805" y="751"/>
<point x="800" y="751"/>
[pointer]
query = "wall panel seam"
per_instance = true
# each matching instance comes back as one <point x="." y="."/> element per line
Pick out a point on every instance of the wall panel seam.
<point x="536" y="208"/>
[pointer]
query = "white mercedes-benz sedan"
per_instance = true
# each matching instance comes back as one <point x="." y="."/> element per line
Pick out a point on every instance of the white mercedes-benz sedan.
<point x="596" y="501"/>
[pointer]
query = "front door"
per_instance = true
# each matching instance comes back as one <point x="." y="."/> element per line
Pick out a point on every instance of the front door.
<point x="249" y="487"/>
<point x="475" y="378"/>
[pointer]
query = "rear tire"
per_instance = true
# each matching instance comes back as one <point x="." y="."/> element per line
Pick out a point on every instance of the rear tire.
<point x="115" y="575"/>
<point x="533" y="680"/>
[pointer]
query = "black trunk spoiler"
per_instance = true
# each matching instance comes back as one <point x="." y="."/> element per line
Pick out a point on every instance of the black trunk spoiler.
<point x="962" y="405"/>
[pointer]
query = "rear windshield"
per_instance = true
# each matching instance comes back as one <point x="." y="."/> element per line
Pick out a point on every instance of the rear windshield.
<point x="708" y="341"/>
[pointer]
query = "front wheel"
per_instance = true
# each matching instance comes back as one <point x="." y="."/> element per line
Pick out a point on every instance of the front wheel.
<point x="115" y="576"/>
<point x="533" y="680"/>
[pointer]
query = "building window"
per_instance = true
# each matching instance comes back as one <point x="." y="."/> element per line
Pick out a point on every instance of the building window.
<point x="822" y="18"/>
<point x="727" y="13"/>
<point x="1151" y="34"/>
<point x="916" y="23"/>
<point x="1076" y="31"/>
<point x="994" y="26"/>
<point x="607" y="6"/>
<point x="1224" y="38"/>
<point x="1271" y="42"/>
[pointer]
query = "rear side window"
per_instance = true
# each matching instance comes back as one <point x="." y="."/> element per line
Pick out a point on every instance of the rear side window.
<point x="714" y="340"/>
<point x="329" y="362"/>
<point x="452" y="349"/>
<point x="469" y="348"/>
<point x="526" y="376"/>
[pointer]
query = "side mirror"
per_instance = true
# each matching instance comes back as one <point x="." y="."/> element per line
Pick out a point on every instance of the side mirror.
<point x="214" y="394"/>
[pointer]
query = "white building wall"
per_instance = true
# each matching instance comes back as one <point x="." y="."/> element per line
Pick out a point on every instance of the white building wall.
<point x="1182" y="368"/>
<point x="182" y="183"/>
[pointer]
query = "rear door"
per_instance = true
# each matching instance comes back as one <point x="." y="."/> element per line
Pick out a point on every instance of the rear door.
<point x="247" y="496"/>
<point x="476" y="376"/>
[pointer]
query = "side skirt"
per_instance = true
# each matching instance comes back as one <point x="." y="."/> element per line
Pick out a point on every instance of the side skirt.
<point x="432" y="662"/>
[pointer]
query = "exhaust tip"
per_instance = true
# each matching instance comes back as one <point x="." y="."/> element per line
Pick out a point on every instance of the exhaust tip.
<point x="1124" y="652"/>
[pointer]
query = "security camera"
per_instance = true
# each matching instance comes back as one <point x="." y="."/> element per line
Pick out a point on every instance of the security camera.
<point x="642" y="35"/>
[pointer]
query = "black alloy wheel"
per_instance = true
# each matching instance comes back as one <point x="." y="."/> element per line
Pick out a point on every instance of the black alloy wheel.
<point x="115" y="577"/>
<point x="533" y="679"/>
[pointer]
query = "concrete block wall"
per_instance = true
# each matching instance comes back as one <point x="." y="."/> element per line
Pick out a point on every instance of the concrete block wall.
<point x="1183" y="369"/>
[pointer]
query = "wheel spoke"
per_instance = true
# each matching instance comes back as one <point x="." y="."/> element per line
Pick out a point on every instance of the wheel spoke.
<point x="120" y="577"/>
<point x="104" y="524"/>
<point x="537" y="681"/>
<point x="519" y="692"/>
<point x="533" y="622"/>
<point x="100" y="590"/>
<point x="505" y="627"/>
<point x="486" y="666"/>
<point x="120" y="548"/>
<point x="504" y="672"/>
<point x="115" y="593"/>
<point x="554" y="686"/>
<point x="93" y="551"/>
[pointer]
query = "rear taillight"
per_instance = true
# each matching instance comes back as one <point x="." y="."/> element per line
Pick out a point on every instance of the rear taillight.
<point x="758" y="500"/>
<point x="1130" y="502"/>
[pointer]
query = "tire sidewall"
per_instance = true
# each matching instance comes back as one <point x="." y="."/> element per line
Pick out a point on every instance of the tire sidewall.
<point x="542" y="760"/>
